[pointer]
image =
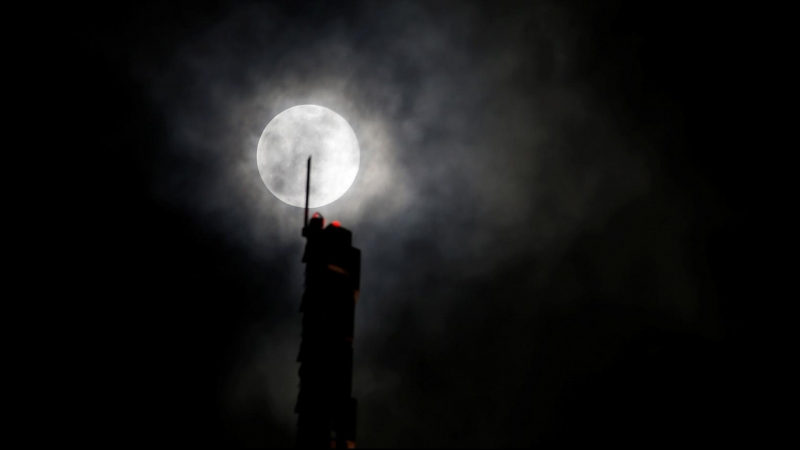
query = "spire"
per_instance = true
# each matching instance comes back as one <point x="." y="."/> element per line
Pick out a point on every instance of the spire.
<point x="308" y="187"/>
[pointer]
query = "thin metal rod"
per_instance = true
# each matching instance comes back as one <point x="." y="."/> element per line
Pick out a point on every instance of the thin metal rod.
<point x="308" y="187"/>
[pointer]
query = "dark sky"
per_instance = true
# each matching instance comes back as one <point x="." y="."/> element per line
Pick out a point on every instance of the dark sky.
<point x="543" y="213"/>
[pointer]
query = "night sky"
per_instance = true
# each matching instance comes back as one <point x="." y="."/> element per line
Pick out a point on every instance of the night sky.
<point x="544" y="219"/>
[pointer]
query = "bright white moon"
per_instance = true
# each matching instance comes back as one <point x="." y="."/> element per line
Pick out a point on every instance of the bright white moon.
<point x="294" y="135"/>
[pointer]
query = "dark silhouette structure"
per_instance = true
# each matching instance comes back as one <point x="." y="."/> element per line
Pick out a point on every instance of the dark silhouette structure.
<point x="326" y="411"/>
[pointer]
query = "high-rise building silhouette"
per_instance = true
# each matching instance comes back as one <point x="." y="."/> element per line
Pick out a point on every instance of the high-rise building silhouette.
<point x="326" y="411"/>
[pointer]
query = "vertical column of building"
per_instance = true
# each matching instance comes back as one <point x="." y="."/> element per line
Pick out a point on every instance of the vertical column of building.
<point x="326" y="411"/>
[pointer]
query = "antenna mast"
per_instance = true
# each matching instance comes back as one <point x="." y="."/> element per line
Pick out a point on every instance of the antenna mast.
<point x="308" y="185"/>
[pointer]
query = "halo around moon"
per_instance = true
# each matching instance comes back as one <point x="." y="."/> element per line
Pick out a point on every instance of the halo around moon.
<point x="294" y="135"/>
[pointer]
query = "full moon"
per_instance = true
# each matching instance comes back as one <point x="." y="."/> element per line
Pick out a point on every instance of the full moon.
<point x="294" y="135"/>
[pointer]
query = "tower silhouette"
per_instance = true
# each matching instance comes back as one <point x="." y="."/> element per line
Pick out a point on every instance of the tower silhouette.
<point x="326" y="411"/>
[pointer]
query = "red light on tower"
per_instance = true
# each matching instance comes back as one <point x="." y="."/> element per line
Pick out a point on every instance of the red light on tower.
<point x="336" y="223"/>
